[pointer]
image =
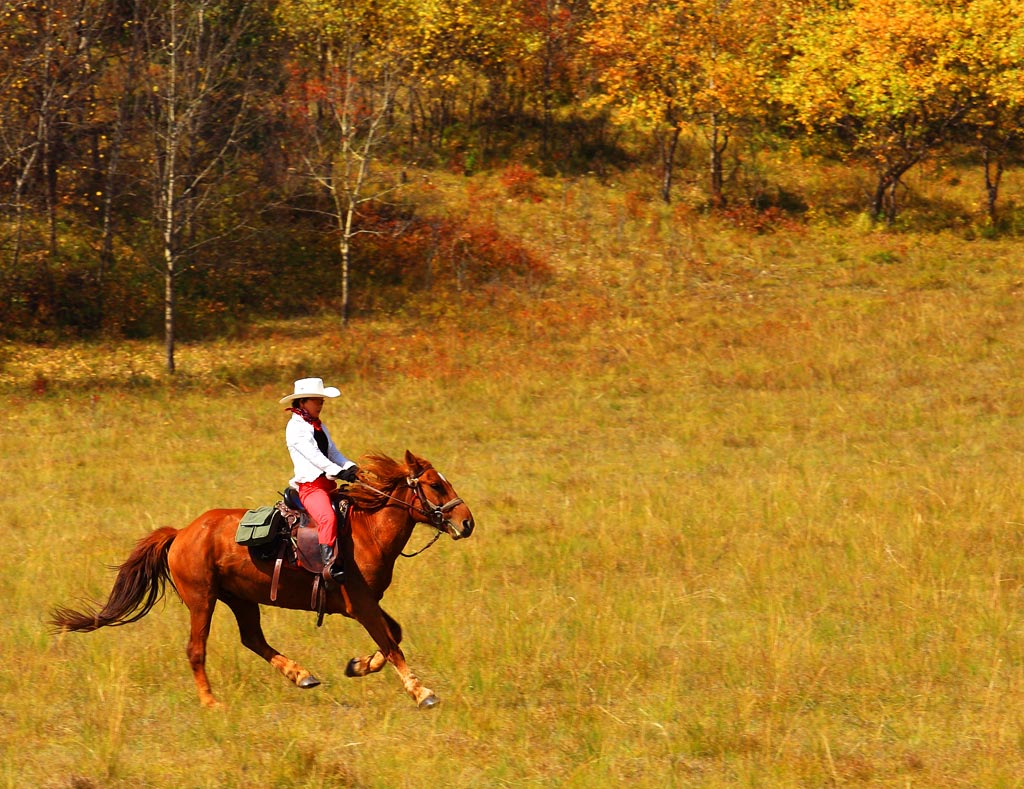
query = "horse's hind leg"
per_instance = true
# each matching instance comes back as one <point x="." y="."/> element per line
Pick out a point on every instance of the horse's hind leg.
<point x="247" y="614"/>
<point x="200" y="607"/>
<point x="370" y="664"/>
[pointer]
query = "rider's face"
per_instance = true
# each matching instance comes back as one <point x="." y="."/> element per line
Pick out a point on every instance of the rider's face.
<point x="313" y="406"/>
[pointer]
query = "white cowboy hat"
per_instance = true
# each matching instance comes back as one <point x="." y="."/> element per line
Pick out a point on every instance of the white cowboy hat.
<point x="310" y="387"/>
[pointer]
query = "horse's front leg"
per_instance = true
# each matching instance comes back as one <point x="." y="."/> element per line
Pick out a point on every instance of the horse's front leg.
<point x="370" y="664"/>
<point x="386" y="632"/>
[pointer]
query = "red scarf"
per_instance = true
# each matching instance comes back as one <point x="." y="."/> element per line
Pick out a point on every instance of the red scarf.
<point x="308" y="417"/>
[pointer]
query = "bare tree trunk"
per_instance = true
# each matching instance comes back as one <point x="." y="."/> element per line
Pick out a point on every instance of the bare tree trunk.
<point x="718" y="142"/>
<point x="197" y="45"/>
<point x="107" y="231"/>
<point x="46" y="137"/>
<point x="110" y="180"/>
<point x="49" y="167"/>
<point x="357" y="125"/>
<point x="890" y="217"/>
<point x="669" y="145"/>
<point x="346" y="267"/>
<point x="169" y="234"/>
<point x="878" y="202"/>
<point x="993" y="176"/>
<point x="169" y="315"/>
<point x="346" y="201"/>
<point x="19" y="205"/>
<point x="547" y="78"/>
<point x="170" y="196"/>
<point x="884" y="203"/>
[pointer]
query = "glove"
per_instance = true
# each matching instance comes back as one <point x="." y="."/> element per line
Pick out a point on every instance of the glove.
<point x="347" y="474"/>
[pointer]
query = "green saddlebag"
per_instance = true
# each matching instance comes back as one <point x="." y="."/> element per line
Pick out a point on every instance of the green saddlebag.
<point x="259" y="526"/>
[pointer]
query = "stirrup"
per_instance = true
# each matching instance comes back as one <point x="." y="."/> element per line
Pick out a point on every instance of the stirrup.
<point x="335" y="571"/>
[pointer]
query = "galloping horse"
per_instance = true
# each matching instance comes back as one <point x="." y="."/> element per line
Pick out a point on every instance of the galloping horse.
<point x="205" y="564"/>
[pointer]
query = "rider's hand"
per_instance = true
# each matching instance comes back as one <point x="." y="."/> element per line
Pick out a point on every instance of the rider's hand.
<point x="347" y="474"/>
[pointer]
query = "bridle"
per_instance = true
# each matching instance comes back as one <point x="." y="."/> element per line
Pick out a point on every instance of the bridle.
<point x="435" y="514"/>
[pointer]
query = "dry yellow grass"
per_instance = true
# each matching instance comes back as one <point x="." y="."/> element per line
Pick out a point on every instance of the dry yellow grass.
<point x="749" y="514"/>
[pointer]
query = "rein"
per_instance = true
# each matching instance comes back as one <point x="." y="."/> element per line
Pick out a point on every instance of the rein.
<point x="435" y="515"/>
<point x="435" y="538"/>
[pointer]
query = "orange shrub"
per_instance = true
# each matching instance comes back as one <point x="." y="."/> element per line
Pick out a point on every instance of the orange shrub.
<point x="520" y="182"/>
<point x="425" y="252"/>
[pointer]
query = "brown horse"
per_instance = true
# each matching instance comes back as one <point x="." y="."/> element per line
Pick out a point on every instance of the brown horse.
<point x="205" y="564"/>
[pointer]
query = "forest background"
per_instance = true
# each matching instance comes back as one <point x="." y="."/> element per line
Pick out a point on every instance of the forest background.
<point x="176" y="167"/>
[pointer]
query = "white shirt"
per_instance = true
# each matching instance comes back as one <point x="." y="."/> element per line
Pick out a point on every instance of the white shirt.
<point x="307" y="458"/>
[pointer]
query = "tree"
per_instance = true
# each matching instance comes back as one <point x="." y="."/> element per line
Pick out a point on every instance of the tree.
<point x="550" y="31"/>
<point x="116" y="113"/>
<point x="55" y="61"/>
<point x="202" y="59"/>
<point x="665" y="65"/>
<point x="459" y="69"/>
<point x="20" y="120"/>
<point x="990" y="53"/>
<point x="53" y="51"/>
<point x="880" y="79"/>
<point x="345" y="79"/>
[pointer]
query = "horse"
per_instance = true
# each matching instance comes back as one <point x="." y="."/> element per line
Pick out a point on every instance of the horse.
<point x="205" y="566"/>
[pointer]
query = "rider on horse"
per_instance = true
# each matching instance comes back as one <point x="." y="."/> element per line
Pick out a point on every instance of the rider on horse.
<point x="317" y="462"/>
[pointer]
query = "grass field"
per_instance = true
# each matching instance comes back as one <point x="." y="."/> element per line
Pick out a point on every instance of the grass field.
<point x="749" y="514"/>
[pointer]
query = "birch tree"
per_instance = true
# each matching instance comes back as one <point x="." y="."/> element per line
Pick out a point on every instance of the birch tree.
<point x="347" y="68"/>
<point x="201" y="59"/>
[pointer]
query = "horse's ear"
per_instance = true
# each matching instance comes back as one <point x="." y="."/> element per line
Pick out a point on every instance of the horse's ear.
<point x="416" y="465"/>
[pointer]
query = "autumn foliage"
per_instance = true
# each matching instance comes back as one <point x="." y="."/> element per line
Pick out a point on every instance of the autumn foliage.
<point x="152" y="161"/>
<point x="441" y="254"/>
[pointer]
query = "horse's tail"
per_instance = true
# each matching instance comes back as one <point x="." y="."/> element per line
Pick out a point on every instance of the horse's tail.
<point x="139" y="585"/>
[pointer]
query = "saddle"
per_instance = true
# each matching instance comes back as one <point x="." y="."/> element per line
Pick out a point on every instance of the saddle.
<point x="297" y="545"/>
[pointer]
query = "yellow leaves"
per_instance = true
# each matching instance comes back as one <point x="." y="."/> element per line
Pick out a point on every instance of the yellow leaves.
<point x="890" y="58"/>
<point x="665" y="60"/>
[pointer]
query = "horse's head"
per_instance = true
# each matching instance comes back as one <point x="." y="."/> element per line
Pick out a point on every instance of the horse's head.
<point x="438" y="504"/>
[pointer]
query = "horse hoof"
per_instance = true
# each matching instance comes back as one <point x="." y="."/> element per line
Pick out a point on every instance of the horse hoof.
<point x="350" y="668"/>
<point x="308" y="682"/>
<point x="429" y="702"/>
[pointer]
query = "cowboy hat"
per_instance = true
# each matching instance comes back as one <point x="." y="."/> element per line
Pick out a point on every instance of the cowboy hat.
<point x="310" y="387"/>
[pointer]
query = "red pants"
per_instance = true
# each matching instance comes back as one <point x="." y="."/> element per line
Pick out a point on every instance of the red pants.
<point x="314" y="498"/>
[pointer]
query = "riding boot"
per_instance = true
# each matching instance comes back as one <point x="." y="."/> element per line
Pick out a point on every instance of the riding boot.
<point x="335" y="573"/>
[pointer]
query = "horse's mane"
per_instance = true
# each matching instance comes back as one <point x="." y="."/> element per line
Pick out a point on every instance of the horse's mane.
<point x="381" y="475"/>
